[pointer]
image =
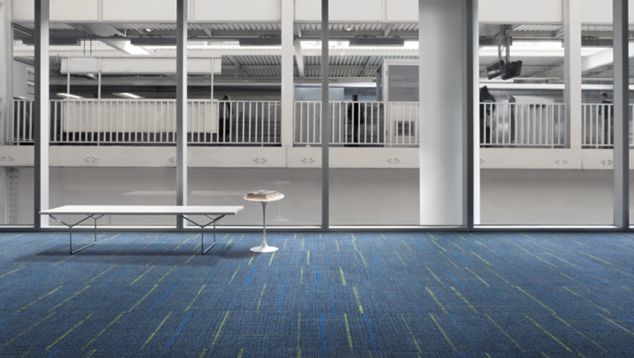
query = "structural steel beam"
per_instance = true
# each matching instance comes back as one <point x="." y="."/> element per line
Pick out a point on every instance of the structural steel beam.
<point x="181" y="107"/>
<point x="41" y="122"/>
<point x="621" y="115"/>
<point x="325" y="118"/>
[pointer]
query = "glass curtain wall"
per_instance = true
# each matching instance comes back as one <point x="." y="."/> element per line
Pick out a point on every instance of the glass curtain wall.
<point x="546" y="154"/>
<point x="539" y="152"/>
<point x="113" y="112"/>
<point x="16" y="166"/>
<point x="248" y="119"/>
<point x="374" y="94"/>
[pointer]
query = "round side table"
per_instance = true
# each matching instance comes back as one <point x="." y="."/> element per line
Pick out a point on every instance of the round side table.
<point x="264" y="246"/>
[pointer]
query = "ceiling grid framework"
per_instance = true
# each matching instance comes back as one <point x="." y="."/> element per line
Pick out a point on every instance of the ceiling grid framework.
<point x="357" y="64"/>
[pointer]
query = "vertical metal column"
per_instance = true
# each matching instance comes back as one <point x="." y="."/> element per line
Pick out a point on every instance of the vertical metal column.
<point x="181" y="107"/>
<point x="288" y="71"/>
<point x="6" y="66"/>
<point x="41" y="123"/>
<point x="573" y="69"/>
<point x="621" y="116"/>
<point x="6" y="111"/>
<point x="325" y="118"/>
<point x="471" y="120"/>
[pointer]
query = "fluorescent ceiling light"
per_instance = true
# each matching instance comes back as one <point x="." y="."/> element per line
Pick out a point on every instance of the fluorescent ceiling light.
<point x="69" y="95"/>
<point x="537" y="44"/>
<point x="316" y="45"/>
<point x="521" y="49"/>
<point x="345" y="45"/>
<point x="213" y="45"/>
<point x="537" y="48"/>
<point x="127" y="47"/>
<point x="127" y="95"/>
<point x="131" y="49"/>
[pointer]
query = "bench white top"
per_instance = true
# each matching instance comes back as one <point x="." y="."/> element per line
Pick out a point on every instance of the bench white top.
<point x="143" y="210"/>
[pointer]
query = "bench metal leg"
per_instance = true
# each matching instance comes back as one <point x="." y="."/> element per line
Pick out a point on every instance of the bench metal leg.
<point x="71" y="251"/>
<point x="203" y="249"/>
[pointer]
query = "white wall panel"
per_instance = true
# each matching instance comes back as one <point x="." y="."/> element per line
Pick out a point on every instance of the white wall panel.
<point x="598" y="12"/>
<point x="341" y="10"/>
<point x="237" y="10"/>
<point x="530" y="158"/>
<point x="139" y="10"/>
<point x="356" y="10"/>
<point x="73" y="10"/>
<point x="23" y="10"/>
<point x="493" y="158"/>
<point x="308" y="10"/>
<point x="522" y="11"/>
<point x="508" y="11"/>
<point x="401" y="10"/>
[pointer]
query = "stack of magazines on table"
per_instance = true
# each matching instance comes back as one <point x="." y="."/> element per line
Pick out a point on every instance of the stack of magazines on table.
<point x="263" y="194"/>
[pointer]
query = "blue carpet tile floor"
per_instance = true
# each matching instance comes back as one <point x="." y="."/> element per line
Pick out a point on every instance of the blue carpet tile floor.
<point x="330" y="295"/>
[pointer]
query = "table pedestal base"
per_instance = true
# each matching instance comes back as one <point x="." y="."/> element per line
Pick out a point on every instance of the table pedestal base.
<point x="264" y="248"/>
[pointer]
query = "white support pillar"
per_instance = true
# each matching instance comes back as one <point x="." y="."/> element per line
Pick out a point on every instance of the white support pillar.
<point x="447" y="109"/>
<point x="181" y="107"/>
<point x="621" y="115"/>
<point x="41" y="122"/>
<point x="573" y="72"/>
<point x="288" y="71"/>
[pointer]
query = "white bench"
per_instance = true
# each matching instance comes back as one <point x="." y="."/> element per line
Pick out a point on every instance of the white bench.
<point x="96" y="212"/>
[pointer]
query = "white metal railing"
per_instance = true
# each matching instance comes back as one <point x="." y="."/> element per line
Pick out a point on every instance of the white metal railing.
<point x="598" y="123"/>
<point x="358" y="123"/>
<point x="371" y="123"/>
<point x="20" y="130"/>
<point x="523" y="125"/>
<point x="151" y="121"/>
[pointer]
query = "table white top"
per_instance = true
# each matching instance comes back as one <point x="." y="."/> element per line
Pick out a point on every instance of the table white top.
<point x="280" y="196"/>
<point x="143" y="210"/>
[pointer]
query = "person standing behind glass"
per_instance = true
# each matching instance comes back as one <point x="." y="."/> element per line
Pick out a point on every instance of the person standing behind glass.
<point x="356" y="119"/>
<point x="512" y="103"/>
<point x="224" y="122"/>
<point x="486" y="109"/>
<point x="608" y="119"/>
